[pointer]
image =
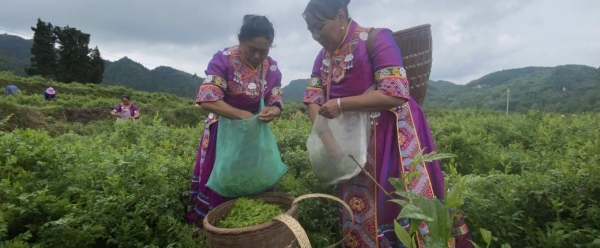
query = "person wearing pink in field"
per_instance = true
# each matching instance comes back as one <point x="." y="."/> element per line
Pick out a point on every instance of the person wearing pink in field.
<point x="237" y="79"/>
<point x="50" y="94"/>
<point x="125" y="110"/>
<point x="344" y="78"/>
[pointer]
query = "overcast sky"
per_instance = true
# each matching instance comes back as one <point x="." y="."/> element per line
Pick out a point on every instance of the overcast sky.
<point x="471" y="37"/>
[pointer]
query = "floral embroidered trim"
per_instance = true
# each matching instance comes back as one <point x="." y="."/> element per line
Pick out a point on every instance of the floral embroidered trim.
<point x="315" y="82"/>
<point x="275" y="100"/>
<point x="334" y="65"/>
<point x="394" y="86"/>
<point x="314" y="95"/>
<point x="209" y="93"/>
<point x="276" y="97"/>
<point x="245" y="79"/>
<point x="459" y="227"/>
<point x="390" y="72"/>
<point x="216" y="80"/>
<point x="276" y="91"/>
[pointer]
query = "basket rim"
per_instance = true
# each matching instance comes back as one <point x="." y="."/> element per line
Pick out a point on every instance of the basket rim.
<point x="426" y="26"/>
<point x="236" y="231"/>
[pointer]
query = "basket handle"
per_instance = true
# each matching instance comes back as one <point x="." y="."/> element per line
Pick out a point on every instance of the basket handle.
<point x="297" y="229"/>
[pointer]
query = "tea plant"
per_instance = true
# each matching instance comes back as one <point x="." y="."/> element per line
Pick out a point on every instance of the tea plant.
<point x="70" y="178"/>
<point x="249" y="212"/>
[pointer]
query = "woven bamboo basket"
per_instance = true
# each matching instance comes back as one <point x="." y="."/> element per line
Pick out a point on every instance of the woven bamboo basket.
<point x="283" y="231"/>
<point x="416" y="47"/>
<point x="271" y="234"/>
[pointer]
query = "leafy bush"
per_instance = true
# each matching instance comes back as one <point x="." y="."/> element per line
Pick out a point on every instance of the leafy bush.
<point x="70" y="177"/>
<point x="125" y="188"/>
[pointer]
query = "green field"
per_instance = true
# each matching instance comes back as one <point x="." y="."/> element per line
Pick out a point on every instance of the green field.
<point x="70" y="177"/>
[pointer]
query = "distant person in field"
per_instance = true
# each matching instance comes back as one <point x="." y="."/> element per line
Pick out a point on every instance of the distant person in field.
<point x="237" y="78"/>
<point x="50" y="94"/>
<point x="344" y="79"/>
<point x="125" y="110"/>
<point x="11" y="89"/>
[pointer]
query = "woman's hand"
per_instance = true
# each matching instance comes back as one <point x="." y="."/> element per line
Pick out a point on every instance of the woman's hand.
<point x="269" y="113"/>
<point x="330" y="109"/>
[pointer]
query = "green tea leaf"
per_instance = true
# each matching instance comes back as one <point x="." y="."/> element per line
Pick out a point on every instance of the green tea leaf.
<point x="400" y="202"/>
<point x="398" y="184"/>
<point x="486" y="235"/>
<point x="413" y="212"/>
<point x="249" y="212"/>
<point x="404" y="237"/>
<point x="474" y="244"/>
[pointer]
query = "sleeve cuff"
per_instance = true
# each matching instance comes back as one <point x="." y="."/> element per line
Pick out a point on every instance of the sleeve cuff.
<point x="276" y="98"/>
<point x="392" y="81"/>
<point x="314" y="95"/>
<point x="209" y="93"/>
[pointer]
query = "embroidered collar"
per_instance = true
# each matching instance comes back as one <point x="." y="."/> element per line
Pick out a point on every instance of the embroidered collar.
<point x="347" y="38"/>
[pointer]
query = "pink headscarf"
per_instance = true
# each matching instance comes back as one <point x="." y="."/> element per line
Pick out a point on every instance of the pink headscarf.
<point x="50" y="91"/>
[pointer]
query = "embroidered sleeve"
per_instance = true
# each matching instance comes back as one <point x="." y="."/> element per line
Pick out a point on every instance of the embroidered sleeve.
<point x="392" y="81"/>
<point x="390" y="75"/>
<point x="214" y="86"/>
<point x="274" y="98"/>
<point x="315" y="92"/>
<point x="212" y="90"/>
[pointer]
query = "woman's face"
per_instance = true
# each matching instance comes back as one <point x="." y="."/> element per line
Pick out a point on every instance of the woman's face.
<point x="125" y="101"/>
<point x="328" y="33"/>
<point x="255" y="51"/>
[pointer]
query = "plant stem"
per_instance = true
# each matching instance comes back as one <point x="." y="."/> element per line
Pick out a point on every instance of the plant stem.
<point x="369" y="175"/>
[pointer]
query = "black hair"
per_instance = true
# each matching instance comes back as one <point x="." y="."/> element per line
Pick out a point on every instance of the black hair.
<point x="257" y="26"/>
<point x="126" y="97"/>
<point x="326" y="8"/>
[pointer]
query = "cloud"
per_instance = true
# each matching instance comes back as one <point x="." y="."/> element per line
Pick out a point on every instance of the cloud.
<point x="471" y="37"/>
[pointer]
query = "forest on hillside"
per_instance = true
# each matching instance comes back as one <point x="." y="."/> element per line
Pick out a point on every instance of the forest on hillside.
<point x="560" y="89"/>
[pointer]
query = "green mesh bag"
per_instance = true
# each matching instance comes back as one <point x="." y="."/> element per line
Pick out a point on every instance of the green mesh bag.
<point x="247" y="160"/>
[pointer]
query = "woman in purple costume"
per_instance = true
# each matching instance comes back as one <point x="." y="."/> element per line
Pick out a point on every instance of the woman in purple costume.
<point x="343" y="71"/>
<point x="236" y="79"/>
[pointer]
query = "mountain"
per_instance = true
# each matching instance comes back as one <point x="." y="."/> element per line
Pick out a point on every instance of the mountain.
<point x="15" y="53"/>
<point x="16" y="47"/>
<point x="563" y="89"/>
<point x="8" y="63"/>
<point x="294" y="92"/>
<point x="442" y="86"/>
